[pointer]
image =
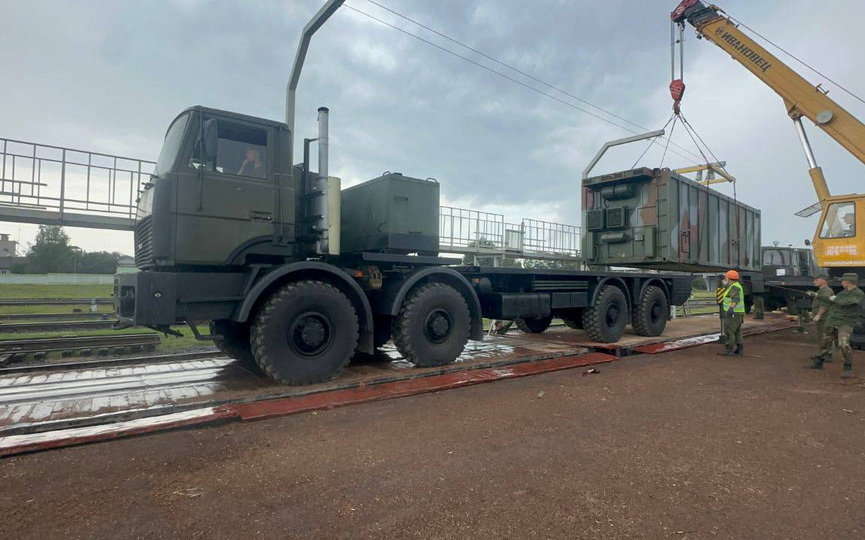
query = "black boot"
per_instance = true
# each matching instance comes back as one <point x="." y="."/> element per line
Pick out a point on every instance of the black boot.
<point x="848" y="371"/>
<point x="816" y="362"/>
<point x="740" y="350"/>
<point x="727" y="352"/>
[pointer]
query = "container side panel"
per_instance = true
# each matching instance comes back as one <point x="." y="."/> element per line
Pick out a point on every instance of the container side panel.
<point x="657" y="219"/>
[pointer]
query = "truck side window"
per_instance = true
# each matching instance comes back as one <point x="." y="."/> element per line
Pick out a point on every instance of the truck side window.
<point x="232" y="148"/>
<point x="840" y="221"/>
<point x="772" y="257"/>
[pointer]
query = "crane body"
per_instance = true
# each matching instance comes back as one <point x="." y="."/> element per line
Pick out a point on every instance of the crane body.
<point x="839" y="242"/>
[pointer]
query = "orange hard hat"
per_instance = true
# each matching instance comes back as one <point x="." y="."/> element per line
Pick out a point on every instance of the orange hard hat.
<point x="732" y="274"/>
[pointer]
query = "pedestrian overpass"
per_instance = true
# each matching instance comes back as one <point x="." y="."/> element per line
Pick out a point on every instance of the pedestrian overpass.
<point x="52" y="185"/>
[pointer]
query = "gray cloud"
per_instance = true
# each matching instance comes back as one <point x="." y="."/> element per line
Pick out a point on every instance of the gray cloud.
<point x="110" y="76"/>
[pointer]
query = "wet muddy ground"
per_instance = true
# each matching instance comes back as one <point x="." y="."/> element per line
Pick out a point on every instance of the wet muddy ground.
<point x="685" y="444"/>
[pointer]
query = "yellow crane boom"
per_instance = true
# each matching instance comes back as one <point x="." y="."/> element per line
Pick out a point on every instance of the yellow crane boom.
<point x="840" y="239"/>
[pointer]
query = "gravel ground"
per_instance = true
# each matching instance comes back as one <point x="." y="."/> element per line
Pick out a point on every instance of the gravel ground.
<point x="680" y="445"/>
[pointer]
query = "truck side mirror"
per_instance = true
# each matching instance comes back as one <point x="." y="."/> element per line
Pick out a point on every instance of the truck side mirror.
<point x="807" y="242"/>
<point x="209" y="139"/>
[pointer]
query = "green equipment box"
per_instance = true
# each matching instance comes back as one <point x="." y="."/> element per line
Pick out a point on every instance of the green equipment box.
<point x="657" y="219"/>
<point x="393" y="214"/>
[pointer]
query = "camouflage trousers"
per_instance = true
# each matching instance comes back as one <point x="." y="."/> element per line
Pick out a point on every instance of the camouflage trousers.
<point x="758" y="310"/>
<point x="733" y="331"/>
<point x="837" y="339"/>
<point x="821" y="331"/>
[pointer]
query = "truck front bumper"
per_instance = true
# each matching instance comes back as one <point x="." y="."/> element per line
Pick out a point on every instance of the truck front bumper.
<point x="166" y="298"/>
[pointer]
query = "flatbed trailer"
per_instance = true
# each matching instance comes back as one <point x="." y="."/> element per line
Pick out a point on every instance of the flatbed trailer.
<point x="302" y="322"/>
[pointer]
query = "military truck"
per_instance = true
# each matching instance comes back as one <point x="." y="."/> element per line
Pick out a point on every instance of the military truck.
<point x="296" y="276"/>
<point x="788" y="273"/>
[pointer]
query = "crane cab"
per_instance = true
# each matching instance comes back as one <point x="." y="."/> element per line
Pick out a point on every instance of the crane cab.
<point x="839" y="243"/>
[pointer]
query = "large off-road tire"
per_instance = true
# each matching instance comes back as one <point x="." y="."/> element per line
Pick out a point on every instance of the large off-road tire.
<point x="651" y="312"/>
<point x="534" y="325"/>
<point x="605" y="321"/>
<point x="235" y="343"/>
<point x="432" y="327"/>
<point x="304" y="333"/>
<point x="235" y="339"/>
<point x="381" y="330"/>
<point x="572" y="319"/>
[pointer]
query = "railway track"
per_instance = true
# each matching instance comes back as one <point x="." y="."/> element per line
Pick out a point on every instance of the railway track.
<point x="76" y="344"/>
<point x="83" y="315"/>
<point x="54" y="301"/>
<point x="54" y="326"/>
<point x="110" y="362"/>
<point x="59" y="404"/>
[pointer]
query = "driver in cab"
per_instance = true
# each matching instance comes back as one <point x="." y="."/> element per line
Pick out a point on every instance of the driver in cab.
<point x="252" y="165"/>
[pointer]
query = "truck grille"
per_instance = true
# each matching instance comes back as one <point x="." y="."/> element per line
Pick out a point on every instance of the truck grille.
<point x="144" y="243"/>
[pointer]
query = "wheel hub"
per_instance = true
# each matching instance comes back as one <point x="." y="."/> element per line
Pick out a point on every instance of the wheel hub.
<point x="612" y="315"/>
<point x="438" y="326"/>
<point x="310" y="334"/>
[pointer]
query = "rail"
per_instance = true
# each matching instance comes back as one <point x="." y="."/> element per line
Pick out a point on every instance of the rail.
<point x="74" y="316"/>
<point x="53" y="326"/>
<point x="488" y="235"/>
<point x="54" y="301"/>
<point x="697" y="306"/>
<point x="83" y="344"/>
<point x="54" y="185"/>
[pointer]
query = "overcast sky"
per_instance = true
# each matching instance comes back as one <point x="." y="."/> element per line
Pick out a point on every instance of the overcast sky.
<point x="109" y="76"/>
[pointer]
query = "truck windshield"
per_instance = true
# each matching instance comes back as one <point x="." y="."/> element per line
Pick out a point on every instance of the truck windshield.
<point x="171" y="146"/>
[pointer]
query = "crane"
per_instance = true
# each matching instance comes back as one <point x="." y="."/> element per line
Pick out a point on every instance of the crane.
<point x="839" y="241"/>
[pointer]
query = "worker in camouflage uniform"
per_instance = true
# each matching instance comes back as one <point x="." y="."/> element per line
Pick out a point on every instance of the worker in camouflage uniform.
<point x="758" y="310"/>
<point x="842" y="319"/>
<point x="819" y="313"/>
<point x="734" y="315"/>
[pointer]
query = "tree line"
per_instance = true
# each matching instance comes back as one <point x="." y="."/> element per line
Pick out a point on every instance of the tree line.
<point x="52" y="253"/>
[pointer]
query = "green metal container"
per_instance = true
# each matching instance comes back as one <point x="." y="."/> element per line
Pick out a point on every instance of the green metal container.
<point x="392" y="213"/>
<point x="657" y="219"/>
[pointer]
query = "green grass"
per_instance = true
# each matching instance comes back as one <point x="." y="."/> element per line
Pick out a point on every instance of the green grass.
<point x="19" y="292"/>
<point x="28" y="310"/>
<point x="9" y="291"/>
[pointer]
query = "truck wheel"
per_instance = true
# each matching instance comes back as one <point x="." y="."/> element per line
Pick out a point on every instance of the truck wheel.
<point x="651" y="312"/>
<point x="534" y="325"/>
<point x="305" y="333"/>
<point x="381" y="331"/>
<point x="572" y="319"/>
<point x="605" y="321"/>
<point x="235" y="343"/>
<point x="235" y="340"/>
<point x="432" y="327"/>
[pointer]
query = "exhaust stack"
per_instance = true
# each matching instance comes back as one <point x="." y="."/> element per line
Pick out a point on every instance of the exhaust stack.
<point x="321" y="187"/>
